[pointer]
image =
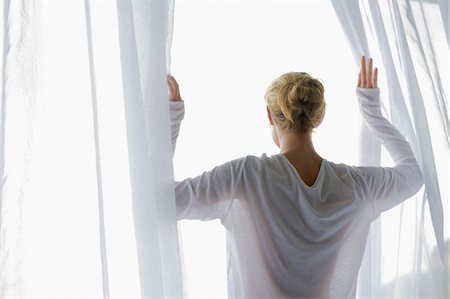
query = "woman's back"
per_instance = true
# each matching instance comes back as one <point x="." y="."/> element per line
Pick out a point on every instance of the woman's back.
<point x="287" y="237"/>
<point x="284" y="237"/>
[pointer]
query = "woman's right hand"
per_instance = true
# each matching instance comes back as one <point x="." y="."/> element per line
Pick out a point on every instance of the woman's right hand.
<point x="367" y="77"/>
<point x="174" y="89"/>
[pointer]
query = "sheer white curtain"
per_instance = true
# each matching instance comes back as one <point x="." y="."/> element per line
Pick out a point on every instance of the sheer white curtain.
<point x="87" y="204"/>
<point x="409" y="38"/>
<point x="445" y="10"/>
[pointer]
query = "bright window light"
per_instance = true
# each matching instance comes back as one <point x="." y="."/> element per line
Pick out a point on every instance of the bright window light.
<point x="224" y="56"/>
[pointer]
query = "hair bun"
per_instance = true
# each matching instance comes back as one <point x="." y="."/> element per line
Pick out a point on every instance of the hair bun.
<point x="296" y="99"/>
<point x="304" y="90"/>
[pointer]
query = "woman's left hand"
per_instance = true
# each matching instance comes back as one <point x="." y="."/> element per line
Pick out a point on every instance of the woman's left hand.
<point x="174" y="89"/>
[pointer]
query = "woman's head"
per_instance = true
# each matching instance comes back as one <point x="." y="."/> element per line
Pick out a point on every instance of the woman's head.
<point x="296" y="102"/>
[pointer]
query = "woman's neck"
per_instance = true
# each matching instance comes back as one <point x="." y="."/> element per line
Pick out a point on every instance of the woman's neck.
<point x="299" y="150"/>
<point x="299" y="144"/>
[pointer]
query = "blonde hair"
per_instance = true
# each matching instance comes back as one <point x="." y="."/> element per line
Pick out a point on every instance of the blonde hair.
<point x="296" y="101"/>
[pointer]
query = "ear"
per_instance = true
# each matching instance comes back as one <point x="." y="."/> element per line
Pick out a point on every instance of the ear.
<point x="318" y="120"/>
<point x="269" y="115"/>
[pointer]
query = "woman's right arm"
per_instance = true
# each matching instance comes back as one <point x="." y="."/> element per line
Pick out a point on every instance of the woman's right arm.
<point x="176" y="108"/>
<point x="207" y="196"/>
<point x="386" y="187"/>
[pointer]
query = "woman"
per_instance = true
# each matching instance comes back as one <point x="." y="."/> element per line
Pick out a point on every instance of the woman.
<point x="296" y="223"/>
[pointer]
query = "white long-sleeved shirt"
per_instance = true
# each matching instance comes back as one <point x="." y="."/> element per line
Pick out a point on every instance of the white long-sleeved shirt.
<point x="286" y="239"/>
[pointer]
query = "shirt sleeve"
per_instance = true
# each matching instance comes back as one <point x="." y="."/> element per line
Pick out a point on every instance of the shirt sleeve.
<point x="209" y="195"/>
<point x="176" y="116"/>
<point x="387" y="187"/>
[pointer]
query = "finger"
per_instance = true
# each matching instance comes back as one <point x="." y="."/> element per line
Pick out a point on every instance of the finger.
<point x="363" y="71"/>
<point x="170" y="84"/>
<point x="375" y="78"/>
<point x="177" y="88"/>
<point x="359" y="79"/>
<point x="369" y="74"/>
<point x="175" y="82"/>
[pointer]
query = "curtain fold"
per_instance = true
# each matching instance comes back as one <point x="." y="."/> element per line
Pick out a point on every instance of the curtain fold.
<point x="87" y="202"/>
<point x="143" y="50"/>
<point x="369" y="281"/>
<point x="410" y="117"/>
<point x="101" y="216"/>
<point x="421" y="121"/>
<point x="444" y="7"/>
